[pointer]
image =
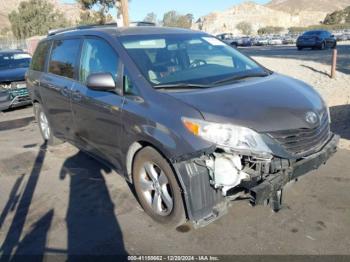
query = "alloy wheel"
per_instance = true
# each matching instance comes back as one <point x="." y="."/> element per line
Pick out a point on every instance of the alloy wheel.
<point x="44" y="125"/>
<point x="156" y="189"/>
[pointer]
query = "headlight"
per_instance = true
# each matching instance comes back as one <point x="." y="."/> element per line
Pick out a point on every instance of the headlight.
<point x="329" y="115"/>
<point x="226" y="135"/>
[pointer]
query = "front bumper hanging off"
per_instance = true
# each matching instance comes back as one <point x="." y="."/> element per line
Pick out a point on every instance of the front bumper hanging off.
<point x="275" y="182"/>
<point x="14" y="98"/>
<point x="204" y="203"/>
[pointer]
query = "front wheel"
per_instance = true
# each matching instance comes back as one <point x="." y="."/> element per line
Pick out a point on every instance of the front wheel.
<point x="157" y="188"/>
<point x="323" y="46"/>
<point x="44" y="126"/>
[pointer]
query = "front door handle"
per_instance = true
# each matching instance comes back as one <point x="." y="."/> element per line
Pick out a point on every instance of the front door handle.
<point x="77" y="95"/>
<point x="65" y="91"/>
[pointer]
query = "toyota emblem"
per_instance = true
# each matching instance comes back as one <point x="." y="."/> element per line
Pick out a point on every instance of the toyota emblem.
<point x="311" y="118"/>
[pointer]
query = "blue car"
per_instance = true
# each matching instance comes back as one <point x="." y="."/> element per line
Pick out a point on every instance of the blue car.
<point x="13" y="89"/>
<point x="319" y="39"/>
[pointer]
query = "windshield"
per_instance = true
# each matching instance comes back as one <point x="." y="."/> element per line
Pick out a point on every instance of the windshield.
<point x="14" y="60"/>
<point x="313" y="33"/>
<point x="188" y="59"/>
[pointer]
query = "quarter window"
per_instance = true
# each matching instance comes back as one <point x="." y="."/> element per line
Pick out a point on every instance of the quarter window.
<point x="97" y="57"/>
<point x="129" y="87"/>
<point x="63" y="57"/>
<point x="39" y="58"/>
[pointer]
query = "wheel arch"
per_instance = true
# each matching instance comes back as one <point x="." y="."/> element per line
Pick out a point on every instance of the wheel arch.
<point x="134" y="148"/>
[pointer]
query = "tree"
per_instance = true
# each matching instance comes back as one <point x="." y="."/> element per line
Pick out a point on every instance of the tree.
<point x="174" y="19"/>
<point x="270" y="30"/>
<point x="5" y="31"/>
<point x="35" y="17"/>
<point x="245" y="28"/>
<point x="296" y="29"/>
<point x="151" y="17"/>
<point x="90" y="17"/>
<point x="103" y="7"/>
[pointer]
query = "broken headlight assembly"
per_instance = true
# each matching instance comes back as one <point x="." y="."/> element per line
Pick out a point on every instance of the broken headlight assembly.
<point x="236" y="138"/>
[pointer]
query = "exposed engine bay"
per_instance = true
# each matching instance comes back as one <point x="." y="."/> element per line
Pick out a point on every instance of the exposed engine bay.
<point x="217" y="178"/>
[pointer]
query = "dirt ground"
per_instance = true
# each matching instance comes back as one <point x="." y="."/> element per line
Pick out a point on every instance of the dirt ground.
<point x="59" y="201"/>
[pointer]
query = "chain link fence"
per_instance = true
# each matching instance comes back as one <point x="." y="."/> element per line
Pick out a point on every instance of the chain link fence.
<point x="7" y="43"/>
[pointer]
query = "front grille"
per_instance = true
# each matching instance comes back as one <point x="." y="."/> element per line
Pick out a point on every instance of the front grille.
<point x="20" y="93"/>
<point x="303" y="141"/>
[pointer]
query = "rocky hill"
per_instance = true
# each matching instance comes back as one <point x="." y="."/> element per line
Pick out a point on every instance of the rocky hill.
<point x="70" y="11"/>
<point x="296" y="6"/>
<point x="282" y="13"/>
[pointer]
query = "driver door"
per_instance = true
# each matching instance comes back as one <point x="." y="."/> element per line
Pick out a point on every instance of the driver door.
<point x="97" y="114"/>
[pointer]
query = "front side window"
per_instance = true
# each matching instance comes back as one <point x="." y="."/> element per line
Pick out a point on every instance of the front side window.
<point x="97" y="57"/>
<point x="63" y="59"/>
<point x="14" y="60"/>
<point x="187" y="59"/>
<point x="39" y="58"/>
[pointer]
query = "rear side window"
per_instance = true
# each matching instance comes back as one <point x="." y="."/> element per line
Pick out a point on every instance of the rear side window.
<point x="63" y="57"/>
<point x="97" y="56"/>
<point x="39" y="58"/>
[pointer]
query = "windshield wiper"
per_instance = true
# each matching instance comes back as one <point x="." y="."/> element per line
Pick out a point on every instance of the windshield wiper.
<point x="240" y="77"/>
<point x="181" y="86"/>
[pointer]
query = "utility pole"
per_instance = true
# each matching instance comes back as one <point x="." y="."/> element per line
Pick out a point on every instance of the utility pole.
<point x="125" y="11"/>
<point x="334" y="62"/>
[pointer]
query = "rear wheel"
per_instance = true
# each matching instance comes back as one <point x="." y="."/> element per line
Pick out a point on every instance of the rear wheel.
<point x="44" y="126"/>
<point x="157" y="188"/>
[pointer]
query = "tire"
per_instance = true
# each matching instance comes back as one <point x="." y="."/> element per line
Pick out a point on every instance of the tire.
<point x="300" y="48"/>
<point x="323" y="46"/>
<point x="153" y="180"/>
<point x="44" y="126"/>
<point x="334" y="45"/>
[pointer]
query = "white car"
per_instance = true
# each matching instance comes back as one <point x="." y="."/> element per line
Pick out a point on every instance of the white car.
<point x="275" y="41"/>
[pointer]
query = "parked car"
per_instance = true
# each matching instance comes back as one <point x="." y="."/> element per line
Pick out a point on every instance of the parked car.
<point x="229" y="39"/>
<point x="262" y="41"/>
<point x="275" y="41"/>
<point x="244" y="41"/>
<point x="320" y="39"/>
<point x="13" y="90"/>
<point x="288" y="40"/>
<point x="190" y="122"/>
<point x="341" y="37"/>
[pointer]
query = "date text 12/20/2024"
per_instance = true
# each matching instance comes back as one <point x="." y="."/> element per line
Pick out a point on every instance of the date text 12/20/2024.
<point x="173" y="258"/>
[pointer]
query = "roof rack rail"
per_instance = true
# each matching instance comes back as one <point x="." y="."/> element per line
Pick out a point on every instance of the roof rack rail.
<point x="81" y="27"/>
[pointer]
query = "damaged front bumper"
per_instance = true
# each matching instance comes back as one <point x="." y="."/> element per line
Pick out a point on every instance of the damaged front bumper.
<point x="206" y="201"/>
<point x="14" y="97"/>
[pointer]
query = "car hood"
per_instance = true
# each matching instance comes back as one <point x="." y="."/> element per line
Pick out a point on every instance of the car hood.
<point x="266" y="104"/>
<point x="15" y="74"/>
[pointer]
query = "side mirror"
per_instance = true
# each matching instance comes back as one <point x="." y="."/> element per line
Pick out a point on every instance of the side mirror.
<point x="332" y="36"/>
<point x="101" y="82"/>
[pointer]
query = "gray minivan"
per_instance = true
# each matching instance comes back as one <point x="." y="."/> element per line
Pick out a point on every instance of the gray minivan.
<point x="189" y="121"/>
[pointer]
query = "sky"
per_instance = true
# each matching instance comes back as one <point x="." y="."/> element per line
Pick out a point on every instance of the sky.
<point x="138" y="9"/>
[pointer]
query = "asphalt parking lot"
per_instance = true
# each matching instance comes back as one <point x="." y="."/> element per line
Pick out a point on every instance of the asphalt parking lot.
<point x="57" y="200"/>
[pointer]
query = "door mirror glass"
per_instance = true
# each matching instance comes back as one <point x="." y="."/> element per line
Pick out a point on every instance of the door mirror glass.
<point x="101" y="82"/>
